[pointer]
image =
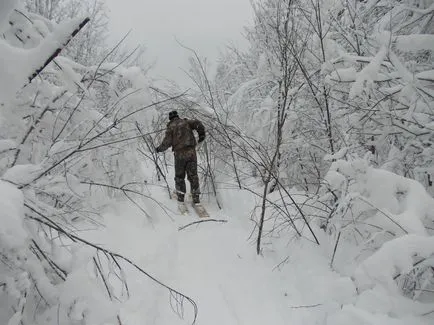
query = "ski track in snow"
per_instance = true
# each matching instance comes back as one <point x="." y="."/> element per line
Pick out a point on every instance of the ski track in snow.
<point x="215" y="264"/>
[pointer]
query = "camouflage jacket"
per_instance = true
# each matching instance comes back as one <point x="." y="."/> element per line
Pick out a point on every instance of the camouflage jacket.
<point x="179" y="134"/>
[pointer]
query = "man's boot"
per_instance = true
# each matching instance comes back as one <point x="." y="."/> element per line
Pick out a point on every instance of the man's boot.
<point x="181" y="204"/>
<point x="196" y="199"/>
<point x="182" y="207"/>
<point x="180" y="197"/>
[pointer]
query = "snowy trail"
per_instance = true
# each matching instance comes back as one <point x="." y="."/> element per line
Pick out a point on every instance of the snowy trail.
<point x="213" y="263"/>
<point x="216" y="265"/>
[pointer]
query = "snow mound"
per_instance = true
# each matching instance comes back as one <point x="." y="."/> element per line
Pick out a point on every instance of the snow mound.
<point x="12" y="233"/>
<point x="394" y="256"/>
<point x="22" y="174"/>
<point x="402" y="205"/>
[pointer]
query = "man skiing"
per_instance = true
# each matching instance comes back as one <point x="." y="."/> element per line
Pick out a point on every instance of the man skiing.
<point x="179" y="135"/>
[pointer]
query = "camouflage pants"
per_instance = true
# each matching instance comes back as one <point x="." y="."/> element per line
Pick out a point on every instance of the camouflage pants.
<point x="186" y="163"/>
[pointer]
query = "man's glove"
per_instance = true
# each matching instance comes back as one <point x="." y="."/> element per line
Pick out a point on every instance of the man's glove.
<point x="201" y="138"/>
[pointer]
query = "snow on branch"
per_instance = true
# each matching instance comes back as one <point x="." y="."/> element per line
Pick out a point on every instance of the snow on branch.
<point x="397" y="254"/>
<point x="413" y="43"/>
<point x="20" y="66"/>
<point x="63" y="39"/>
<point x="369" y="73"/>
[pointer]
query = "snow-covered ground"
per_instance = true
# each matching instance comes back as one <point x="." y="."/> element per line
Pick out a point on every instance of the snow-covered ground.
<point x="215" y="264"/>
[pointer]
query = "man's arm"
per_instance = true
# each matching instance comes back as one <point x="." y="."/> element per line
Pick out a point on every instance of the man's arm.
<point x="198" y="126"/>
<point x="167" y="141"/>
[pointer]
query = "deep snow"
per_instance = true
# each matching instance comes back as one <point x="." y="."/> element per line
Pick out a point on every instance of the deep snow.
<point x="215" y="264"/>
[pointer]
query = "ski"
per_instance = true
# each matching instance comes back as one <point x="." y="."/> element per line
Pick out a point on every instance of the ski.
<point x="198" y="207"/>
<point x="200" y="210"/>
<point x="182" y="207"/>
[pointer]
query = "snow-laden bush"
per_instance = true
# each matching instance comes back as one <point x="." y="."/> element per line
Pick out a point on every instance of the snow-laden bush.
<point x="359" y="77"/>
<point x="381" y="230"/>
<point x="66" y="150"/>
<point x="382" y="74"/>
<point x="356" y="74"/>
<point x="375" y="227"/>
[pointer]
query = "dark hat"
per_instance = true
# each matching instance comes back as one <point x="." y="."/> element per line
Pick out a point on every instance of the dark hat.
<point x="173" y="114"/>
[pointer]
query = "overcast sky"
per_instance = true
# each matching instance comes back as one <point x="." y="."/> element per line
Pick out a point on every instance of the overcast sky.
<point x="205" y="25"/>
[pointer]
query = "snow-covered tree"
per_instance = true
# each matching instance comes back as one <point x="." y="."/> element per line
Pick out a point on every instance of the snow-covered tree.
<point x="383" y="77"/>
<point x="67" y="147"/>
<point x="87" y="47"/>
<point x="361" y="86"/>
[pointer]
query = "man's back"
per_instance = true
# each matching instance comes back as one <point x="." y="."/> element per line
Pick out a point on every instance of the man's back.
<point x="182" y="134"/>
<point x="179" y="134"/>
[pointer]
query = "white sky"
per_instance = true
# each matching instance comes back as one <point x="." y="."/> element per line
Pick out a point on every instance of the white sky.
<point x="205" y="25"/>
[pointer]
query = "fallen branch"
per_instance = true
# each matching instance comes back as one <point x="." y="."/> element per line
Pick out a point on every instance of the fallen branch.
<point x="281" y="263"/>
<point x="307" y="306"/>
<point x="201" y="221"/>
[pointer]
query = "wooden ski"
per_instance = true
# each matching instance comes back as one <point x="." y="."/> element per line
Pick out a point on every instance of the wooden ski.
<point x="200" y="210"/>
<point x="182" y="207"/>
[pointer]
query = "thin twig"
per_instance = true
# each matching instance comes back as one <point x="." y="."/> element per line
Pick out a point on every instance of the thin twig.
<point x="383" y="213"/>
<point x="335" y="249"/>
<point x="113" y="255"/>
<point x="201" y="221"/>
<point x="306" y="306"/>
